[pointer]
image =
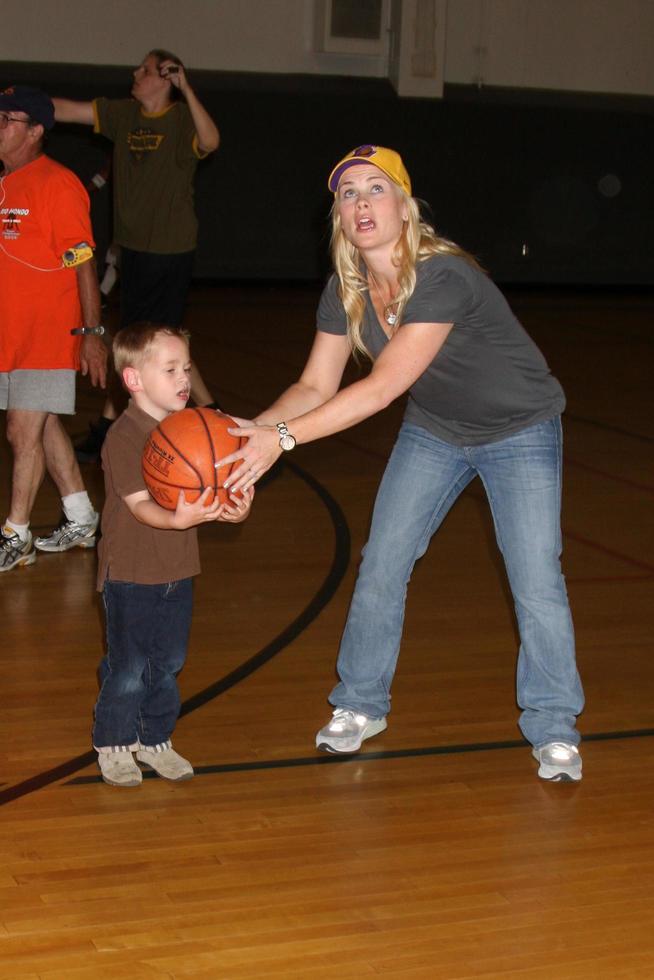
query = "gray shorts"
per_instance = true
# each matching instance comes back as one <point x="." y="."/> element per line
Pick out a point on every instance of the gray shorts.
<point x="39" y="391"/>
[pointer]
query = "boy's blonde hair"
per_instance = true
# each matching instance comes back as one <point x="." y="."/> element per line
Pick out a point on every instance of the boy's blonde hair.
<point x="132" y="345"/>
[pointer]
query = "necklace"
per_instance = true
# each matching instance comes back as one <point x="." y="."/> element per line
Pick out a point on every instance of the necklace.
<point x="390" y="309"/>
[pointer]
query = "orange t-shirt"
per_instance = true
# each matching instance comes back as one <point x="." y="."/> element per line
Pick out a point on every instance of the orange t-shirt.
<point x="44" y="210"/>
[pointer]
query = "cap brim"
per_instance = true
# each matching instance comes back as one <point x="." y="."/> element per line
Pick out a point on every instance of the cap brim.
<point x="9" y="102"/>
<point x="340" y="169"/>
<point x="344" y="165"/>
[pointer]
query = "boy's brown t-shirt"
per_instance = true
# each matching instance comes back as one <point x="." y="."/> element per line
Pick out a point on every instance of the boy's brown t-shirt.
<point x="130" y="551"/>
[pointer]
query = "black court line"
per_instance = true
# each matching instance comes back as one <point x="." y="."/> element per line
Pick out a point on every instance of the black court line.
<point x="340" y="562"/>
<point x="327" y="759"/>
<point x="338" y="568"/>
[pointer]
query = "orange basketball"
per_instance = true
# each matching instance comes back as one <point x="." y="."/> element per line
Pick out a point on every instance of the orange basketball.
<point x="180" y="454"/>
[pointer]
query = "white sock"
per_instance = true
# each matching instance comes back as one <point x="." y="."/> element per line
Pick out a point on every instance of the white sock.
<point x="22" y="530"/>
<point x="78" y="507"/>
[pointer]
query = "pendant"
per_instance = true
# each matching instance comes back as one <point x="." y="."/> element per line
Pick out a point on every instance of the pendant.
<point x="390" y="317"/>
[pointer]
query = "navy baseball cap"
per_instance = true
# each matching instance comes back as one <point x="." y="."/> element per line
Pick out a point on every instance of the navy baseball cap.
<point x="36" y="104"/>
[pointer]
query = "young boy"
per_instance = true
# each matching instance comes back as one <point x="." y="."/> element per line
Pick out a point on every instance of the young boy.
<point x="147" y="558"/>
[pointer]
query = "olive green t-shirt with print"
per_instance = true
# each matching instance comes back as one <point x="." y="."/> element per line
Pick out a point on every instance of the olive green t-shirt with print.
<point x="155" y="157"/>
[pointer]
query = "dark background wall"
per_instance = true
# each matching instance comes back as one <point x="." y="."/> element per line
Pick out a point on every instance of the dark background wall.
<point x="542" y="187"/>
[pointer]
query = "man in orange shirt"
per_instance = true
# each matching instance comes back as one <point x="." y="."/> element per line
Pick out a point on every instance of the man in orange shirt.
<point x="50" y="315"/>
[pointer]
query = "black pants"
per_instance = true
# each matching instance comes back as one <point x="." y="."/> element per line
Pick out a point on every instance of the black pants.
<point x="154" y="287"/>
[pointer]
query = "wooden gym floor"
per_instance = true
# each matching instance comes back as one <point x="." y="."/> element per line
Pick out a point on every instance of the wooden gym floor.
<point x="436" y="853"/>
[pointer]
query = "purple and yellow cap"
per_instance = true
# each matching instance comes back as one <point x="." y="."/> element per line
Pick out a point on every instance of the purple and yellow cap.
<point x="388" y="161"/>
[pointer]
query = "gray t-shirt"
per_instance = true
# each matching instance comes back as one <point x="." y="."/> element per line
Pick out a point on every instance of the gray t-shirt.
<point x="488" y="380"/>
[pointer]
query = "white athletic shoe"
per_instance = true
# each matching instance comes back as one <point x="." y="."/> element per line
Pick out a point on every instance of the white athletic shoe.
<point x="69" y="535"/>
<point x="347" y="730"/>
<point x="15" y="552"/>
<point x="559" y="762"/>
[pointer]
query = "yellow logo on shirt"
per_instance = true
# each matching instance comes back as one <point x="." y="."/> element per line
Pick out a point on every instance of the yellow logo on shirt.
<point x="142" y="141"/>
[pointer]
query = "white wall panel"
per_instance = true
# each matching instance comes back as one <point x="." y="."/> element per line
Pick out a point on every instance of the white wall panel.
<point x="577" y="45"/>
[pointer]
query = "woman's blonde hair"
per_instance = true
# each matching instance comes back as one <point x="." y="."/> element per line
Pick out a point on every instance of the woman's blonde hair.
<point x="417" y="242"/>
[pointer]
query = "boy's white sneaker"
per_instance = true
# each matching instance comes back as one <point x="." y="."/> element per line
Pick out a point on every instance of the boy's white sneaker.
<point x="165" y="761"/>
<point x="119" y="769"/>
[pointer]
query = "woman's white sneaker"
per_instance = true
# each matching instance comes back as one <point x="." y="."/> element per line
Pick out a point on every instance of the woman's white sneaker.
<point x="347" y="730"/>
<point x="559" y="762"/>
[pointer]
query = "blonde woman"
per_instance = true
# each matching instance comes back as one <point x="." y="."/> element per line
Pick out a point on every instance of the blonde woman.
<point x="482" y="402"/>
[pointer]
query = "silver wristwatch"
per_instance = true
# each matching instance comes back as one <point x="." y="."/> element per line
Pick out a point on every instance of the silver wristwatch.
<point x="286" y="440"/>
<point x="85" y="331"/>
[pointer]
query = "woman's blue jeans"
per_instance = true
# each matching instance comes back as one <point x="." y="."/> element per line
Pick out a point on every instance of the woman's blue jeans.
<point x="148" y="628"/>
<point x="424" y="476"/>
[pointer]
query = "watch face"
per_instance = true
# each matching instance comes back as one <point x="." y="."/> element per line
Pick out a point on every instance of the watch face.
<point x="287" y="442"/>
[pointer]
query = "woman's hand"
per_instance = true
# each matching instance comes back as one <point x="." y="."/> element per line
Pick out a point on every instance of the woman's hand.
<point x="258" y="454"/>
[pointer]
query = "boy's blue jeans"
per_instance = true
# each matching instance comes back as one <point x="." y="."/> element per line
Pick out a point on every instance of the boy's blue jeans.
<point x="424" y="476"/>
<point x="148" y="629"/>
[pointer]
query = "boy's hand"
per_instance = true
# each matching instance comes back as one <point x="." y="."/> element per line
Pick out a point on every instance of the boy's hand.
<point x="188" y="515"/>
<point x="238" y="508"/>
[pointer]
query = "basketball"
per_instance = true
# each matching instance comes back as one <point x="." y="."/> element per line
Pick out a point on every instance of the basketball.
<point x="180" y="454"/>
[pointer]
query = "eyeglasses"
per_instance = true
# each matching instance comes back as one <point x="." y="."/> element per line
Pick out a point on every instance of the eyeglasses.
<point x="5" y="119"/>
